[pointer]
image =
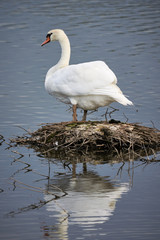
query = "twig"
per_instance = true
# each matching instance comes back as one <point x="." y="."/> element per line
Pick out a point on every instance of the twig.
<point x="114" y="110"/>
<point x="120" y="169"/>
<point x="30" y="207"/>
<point x="105" y="115"/>
<point x="109" y="113"/>
<point x="41" y="203"/>
<point x="1" y="139"/>
<point x="21" y="155"/>
<point x="92" y="111"/>
<point x="18" y="160"/>
<point x="126" y="118"/>
<point x="24" y="130"/>
<point x="154" y="125"/>
<point x="39" y="189"/>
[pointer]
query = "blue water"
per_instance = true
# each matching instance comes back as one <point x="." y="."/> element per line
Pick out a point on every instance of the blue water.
<point x="102" y="202"/>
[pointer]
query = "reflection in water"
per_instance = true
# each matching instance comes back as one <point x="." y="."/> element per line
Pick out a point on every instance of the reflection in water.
<point x="91" y="200"/>
<point x="125" y="34"/>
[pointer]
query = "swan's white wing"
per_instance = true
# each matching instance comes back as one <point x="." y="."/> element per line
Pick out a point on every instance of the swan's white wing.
<point x="81" y="79"/>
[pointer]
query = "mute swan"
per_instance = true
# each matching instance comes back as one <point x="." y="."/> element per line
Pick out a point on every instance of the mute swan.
<point x="87" y="85"/>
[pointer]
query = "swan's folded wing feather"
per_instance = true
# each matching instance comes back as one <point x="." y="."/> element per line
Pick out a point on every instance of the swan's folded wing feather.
<point x="81" y="79"/>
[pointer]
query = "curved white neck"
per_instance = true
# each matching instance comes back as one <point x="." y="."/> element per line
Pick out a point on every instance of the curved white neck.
<point x="65" y="55"/>
<point x="66" y="52"/>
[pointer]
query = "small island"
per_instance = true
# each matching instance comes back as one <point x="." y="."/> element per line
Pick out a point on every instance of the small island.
<point x="93" y="137"/>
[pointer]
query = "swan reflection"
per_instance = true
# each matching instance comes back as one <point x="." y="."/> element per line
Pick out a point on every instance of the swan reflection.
<point x="91" y="200"/>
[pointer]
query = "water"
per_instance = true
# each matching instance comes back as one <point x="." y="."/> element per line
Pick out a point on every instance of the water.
<point x="102" y="202"/>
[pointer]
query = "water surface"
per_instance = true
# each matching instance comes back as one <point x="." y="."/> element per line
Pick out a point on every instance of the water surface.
<point x="103" y="200"/>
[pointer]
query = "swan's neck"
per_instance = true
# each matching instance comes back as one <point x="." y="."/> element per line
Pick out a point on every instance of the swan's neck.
<point x="66" y="52"/>
<point x="65" y="55"/>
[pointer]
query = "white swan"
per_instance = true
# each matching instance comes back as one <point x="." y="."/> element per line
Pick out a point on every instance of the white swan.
<point x="87" y="85"/>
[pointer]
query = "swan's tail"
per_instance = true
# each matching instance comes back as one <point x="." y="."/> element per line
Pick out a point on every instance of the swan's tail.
<point x="123" y="100"/>
<point x="114" y="92"/>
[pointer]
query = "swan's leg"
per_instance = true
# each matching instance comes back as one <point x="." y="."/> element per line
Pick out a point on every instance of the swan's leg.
<point x="84" y="115"/>
<point x="74" y="107"/>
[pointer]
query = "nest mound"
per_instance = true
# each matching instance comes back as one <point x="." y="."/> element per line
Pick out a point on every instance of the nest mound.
<point x="93" y="137"/>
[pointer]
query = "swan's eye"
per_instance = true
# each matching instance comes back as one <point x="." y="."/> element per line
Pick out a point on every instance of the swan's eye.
<point x="48" y="35"/>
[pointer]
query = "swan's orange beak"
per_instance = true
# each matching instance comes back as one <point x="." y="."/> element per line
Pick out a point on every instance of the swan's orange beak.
<point x="46" y="41"/>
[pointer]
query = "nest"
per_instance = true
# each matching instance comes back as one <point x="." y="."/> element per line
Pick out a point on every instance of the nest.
<point x="82" y="138"/>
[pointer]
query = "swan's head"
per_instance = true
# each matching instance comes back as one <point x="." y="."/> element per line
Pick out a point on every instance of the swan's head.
<point x="54" y="35"/>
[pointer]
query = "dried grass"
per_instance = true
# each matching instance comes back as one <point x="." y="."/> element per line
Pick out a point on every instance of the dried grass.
<point x="93" y="137"/>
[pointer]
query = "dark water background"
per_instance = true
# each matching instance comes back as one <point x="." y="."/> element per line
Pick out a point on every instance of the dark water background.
<point x="102" y="202"/>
